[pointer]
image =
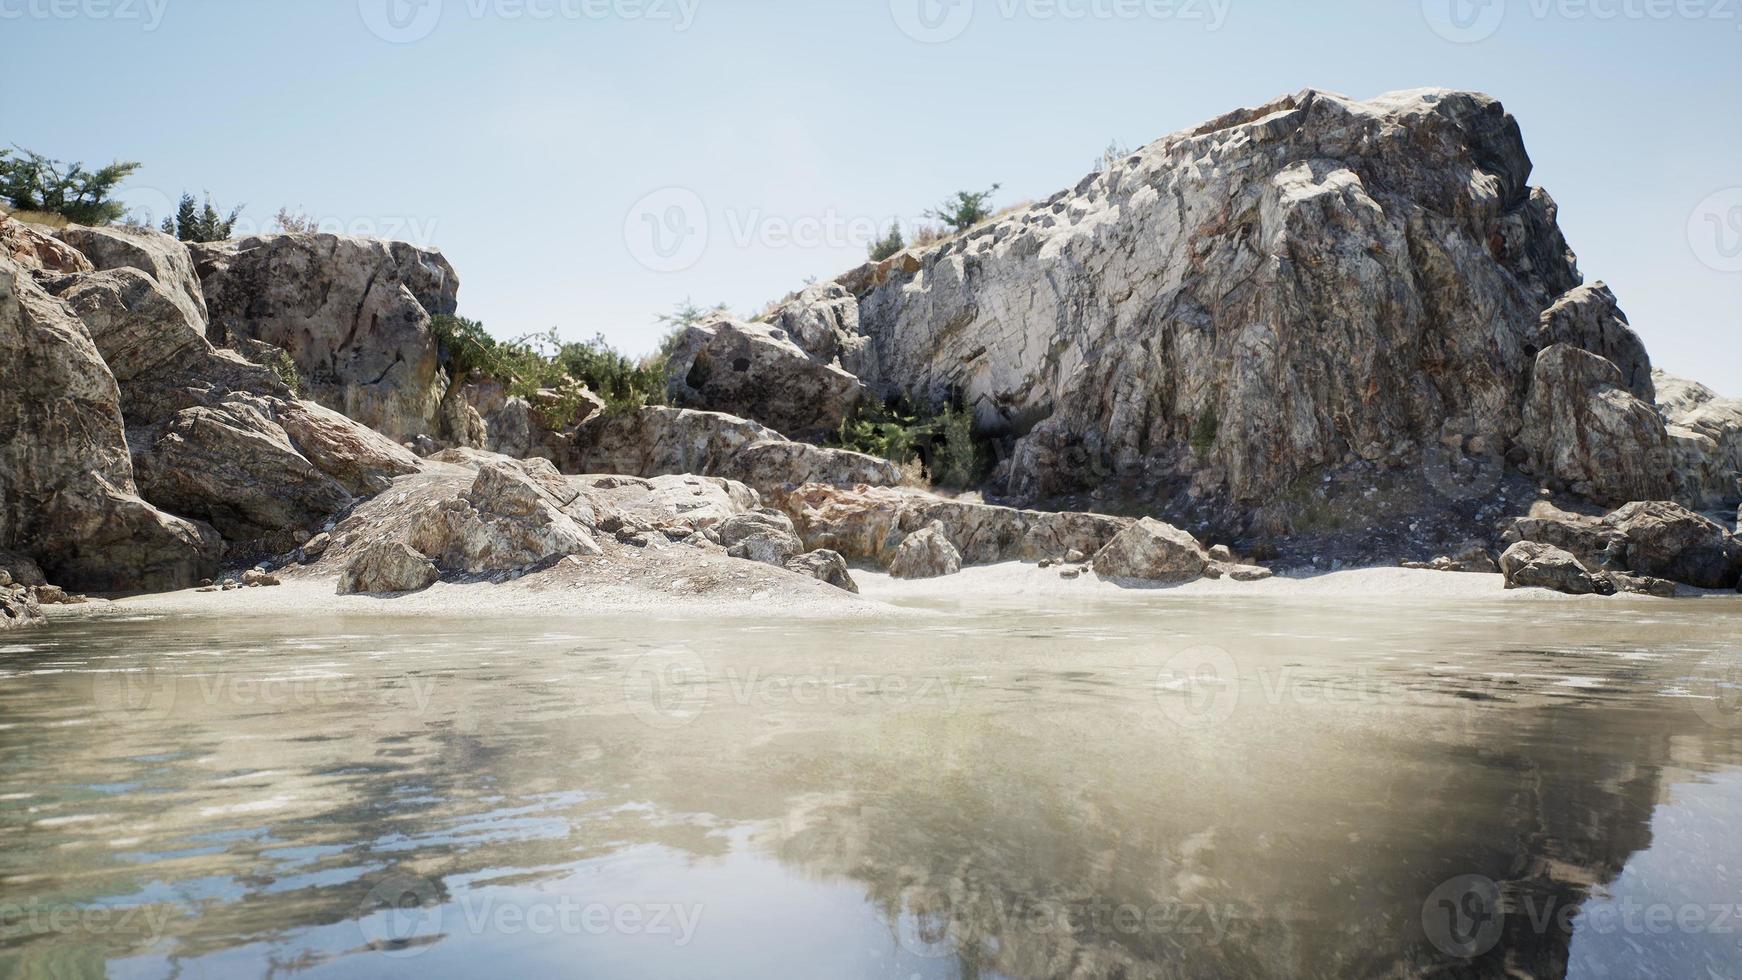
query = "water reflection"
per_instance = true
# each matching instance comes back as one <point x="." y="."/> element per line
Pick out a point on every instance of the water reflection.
<point x="1178" y="789"/>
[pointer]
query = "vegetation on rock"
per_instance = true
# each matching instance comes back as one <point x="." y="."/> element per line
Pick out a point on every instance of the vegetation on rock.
<point x="193" y="222"/>
<point x="32" y="182"/>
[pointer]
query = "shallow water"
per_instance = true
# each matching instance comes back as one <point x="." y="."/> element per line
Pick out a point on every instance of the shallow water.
<point x="1163" y="787"/>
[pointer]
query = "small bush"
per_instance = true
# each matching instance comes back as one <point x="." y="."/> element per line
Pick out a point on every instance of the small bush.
<point x="889" y="245"/>
<point x="295" y="222"/>
<point x="966" y="209"/>
<point x="1204" y="431"/>
<point x="283" y="365"/>
<point x="33" y="182"/>
<point x="548" y="372"/>
<point x="943" y="442"/>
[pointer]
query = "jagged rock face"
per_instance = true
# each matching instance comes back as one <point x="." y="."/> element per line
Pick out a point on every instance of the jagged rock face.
<point x="160" y="256"/>
<point x="1705" y="434"/>
<point x="18" y="608"/>
<point x="33" y="251"/>
<point x="1244" y="304"/>
<point x="516" y="515"/>
<point x="662" y="441"/>
<point x="765" y="536"/>
<point x="926" y="553"/>
<point x="388" y="567"/>
<point x="870" y="523"/>
<point x="67" y="492"/>
<point x="823" y="319"/>
<point x="352" y="313"/>
<point x="758" y="372"/>
<point x="1150" y="551"/>
<point x="1588" y="433"/>
<point x="480" y="414"/>
<point x="1588" y="318"/>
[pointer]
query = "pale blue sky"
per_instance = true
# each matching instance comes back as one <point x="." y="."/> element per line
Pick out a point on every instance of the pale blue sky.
<point x="524" y="137"/>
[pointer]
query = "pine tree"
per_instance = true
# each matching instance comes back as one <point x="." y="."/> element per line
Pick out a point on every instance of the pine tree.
<point x="889" y="245"/>
<point x="35" y="183"/>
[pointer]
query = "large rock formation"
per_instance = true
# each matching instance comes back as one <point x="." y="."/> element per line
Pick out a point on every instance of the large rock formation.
<point x="1281" y="293"/>
<point x="159" y="256"/>
<point x="352" y="313"/>
<point x="1150" y="551"/>
<point x="67" y="492"/>
<point x="1656" y="539"/>
<point x="1705" y="434"/>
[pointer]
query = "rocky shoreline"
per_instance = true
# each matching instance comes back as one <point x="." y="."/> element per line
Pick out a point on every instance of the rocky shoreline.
<point x="1315" y="335"/>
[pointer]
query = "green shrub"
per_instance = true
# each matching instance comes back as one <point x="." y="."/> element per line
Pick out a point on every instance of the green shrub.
<point x="35" y="183"/>
<point x="943" y="441"/>
<point x="548" y="372"/>
<point x="889" y="245"/>
<point x="194" y="223"/>
<point x="966" y="210"/>
<point x="283" y="365"/>
<point x="1204" y="431"/>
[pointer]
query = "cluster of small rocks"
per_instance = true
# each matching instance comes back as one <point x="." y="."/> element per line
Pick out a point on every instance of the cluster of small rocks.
<point x="254" y="578"/>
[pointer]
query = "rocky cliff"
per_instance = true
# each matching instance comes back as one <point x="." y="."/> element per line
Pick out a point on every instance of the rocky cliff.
<point x="1241" y="312"/>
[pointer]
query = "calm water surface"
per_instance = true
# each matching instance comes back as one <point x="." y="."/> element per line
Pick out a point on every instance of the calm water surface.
<point x="1146" y="788"/>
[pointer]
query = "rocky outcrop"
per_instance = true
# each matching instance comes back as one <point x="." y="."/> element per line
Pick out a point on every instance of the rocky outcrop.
<point x="516" y="515"/>
<point x="1589" y="434"/>
<point x="1589" y="318"/>
<point x="359" y="459"/>
<point x="159" y="256"/>
<point x="926" y="553"/>
<point x="31" y="250"/>
<point x="1705" y="434"/>
<point x="388" y="567"/>
<point x="481" y="414"/>
<point x="823" y="319"/>
<point x="352" y="313"/>
<point x="67" y="493"/>
<point x="1666" y="540"/>
<point x="1532" y="565"/>
<point x="1150" y="551"/>
<point x="870" y="523"/>
<point x="824" y="566"/>
<point x="658" y="441"/>
<point x="758" y="372"/>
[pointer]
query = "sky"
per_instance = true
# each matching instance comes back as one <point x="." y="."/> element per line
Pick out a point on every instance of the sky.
<point x="589" y="164"/>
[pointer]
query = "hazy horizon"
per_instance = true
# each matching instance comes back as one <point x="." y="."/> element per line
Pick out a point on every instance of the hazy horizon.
<point x="587" y="164"/>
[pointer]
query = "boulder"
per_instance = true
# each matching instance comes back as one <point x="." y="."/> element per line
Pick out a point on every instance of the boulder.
<point x="756" y="371"/>
<point x="32" y="251"/>
<point x="823" y="320"/>
<point x="869" y="523"/>
<point x="824" y="566"/>
<point x="1588" y="317"/>
<point x="1150" y="551"/>
<point x="690" y="503"/>
<point x="1641" y="585"/>
<point x="1666" y="540"/>
<point x="1472" y="559"/>
<point x="926" y="553"/>
<point x="764" y="536"/>
<point x="160" y="256"/>
<point x="1587" y="432"/>
<point x="388" y="567"/>
<point x="657" y="441"/>
<point x="67" y="494"/>
<point x="516" y="515"/>
<point x="1705" y="433"/>
<point x="352" y="313"/>
<point x="359" y="459"/>
<point x="1588" y="538"/>
<point x="18" y="609"/>
<point x="1530" y="565"/>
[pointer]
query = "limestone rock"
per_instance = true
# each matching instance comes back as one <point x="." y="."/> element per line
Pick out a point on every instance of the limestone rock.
<point x="1151" y="551"/>
<point x="1587" y="431"/>
<point x="1530" y="565"/>
<point x="1588" y="538"/>
<point x="1666" y="540"/>
<point x="1238" y="572"/>
<point x="756" y="371"/>
<point x="515" y="516"/>
<point x="926" y="553"/>
<point x="689" y="503"/>
<point x="160" y="256"/>
<point x="1474" y="559"/>
<point x="1589" y="318"/>
<point x="764" y="536"/>
<point x="360" y="459"/>
<point x="1641" y="585"/>
<point x="663" y="441"/>
<point x="352" y="313"/>
<point x="32" y="251"/>
<point x="18" y="609"/>
<point x="824" y="566"/>
<point x="67" y="493"/>
<point x="1243" y="304"/>
<point x="823" y="320"/>
<point x="1705" y="434"/>
<point x="388" y="567"/>
<point x="870" y="523"/>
